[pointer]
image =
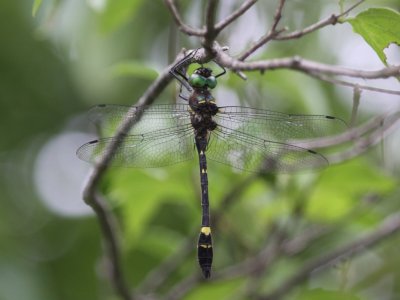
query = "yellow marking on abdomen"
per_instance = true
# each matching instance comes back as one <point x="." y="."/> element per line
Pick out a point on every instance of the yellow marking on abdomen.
<point x="206" y="230"/>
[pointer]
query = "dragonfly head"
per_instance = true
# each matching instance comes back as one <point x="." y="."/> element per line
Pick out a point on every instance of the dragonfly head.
<point x="202" y="78"/>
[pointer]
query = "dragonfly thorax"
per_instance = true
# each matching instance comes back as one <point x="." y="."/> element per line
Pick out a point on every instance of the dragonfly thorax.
<point x="202" y="117"/>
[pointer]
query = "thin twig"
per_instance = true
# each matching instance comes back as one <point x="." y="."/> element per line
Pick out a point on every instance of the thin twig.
<point x="290" y="247"/>
<point x="356" y="104"/>
<point x="389" y="226"/>
<point x="235" y="15"/>
<point x="183" y="287"/>
<point x="161" y="273"/>
<point x="109" y="233"/>
<point x="303" y="65"/>
<point x="211" y="33"/>
<point x="178" y="20"/>
<point x="331" y="20"/>
<point x="353" y="85"/>
<point x="363" y="144"/>
<point x="259" y="262"/>
<point x="278" y="15"/>
<point x="272" y="33"/>
<point x="354" y="134"/>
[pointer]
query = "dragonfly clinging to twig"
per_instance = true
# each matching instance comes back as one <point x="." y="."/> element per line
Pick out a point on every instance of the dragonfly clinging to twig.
<point x="245" y="138"/>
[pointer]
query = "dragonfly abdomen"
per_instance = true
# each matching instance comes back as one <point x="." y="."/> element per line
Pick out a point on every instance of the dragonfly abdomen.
<point x="205" y="251"/>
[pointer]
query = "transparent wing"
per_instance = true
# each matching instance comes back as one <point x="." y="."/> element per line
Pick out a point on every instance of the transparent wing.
<point x="153" y="117"/>
<point x="153" y="149"/>
<point x="246" y="152"/>
<point x="276" y="126"/>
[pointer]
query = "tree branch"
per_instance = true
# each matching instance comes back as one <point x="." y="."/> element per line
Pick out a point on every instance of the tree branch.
<point x="303" y="65"/>
<point x="179" y="22"/>
<point x="331" y="20"/>
<point x="356" y="104"/>
<point x="112" y="254"/>
<point x="161" y="273"/>
<point x="211" y="32"/>
<point x="353" y="134"/>
<point x="353" y="85"/>
<point x="377" y="129"/>
<point x="90" y="192"/>
<point x="363" y="144"/>
<point x="236" y="14"/>
<point x="273" y="32"/>
<point x="390" y="226"/>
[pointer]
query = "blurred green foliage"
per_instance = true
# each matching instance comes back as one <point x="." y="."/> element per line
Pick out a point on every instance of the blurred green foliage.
<point x="74" y="54"/>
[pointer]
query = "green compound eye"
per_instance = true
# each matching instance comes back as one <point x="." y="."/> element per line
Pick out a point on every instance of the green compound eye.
<point x="211" y="82"/>
<point x="196" y="80"/>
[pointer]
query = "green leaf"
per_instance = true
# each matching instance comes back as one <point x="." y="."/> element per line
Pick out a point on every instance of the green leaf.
<point x="379" y="27"/>
<point x="35" y="7"/>
<point x="118" y="12"/>
<point x="135" y="69"/>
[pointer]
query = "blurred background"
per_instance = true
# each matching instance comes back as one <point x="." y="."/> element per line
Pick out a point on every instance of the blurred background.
<point x="75" y="54"/>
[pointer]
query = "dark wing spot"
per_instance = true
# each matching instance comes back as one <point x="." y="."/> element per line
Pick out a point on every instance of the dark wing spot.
<point x="312" y="152"/>
<point x="330" y="117"/>
<point x="93" y="142"/>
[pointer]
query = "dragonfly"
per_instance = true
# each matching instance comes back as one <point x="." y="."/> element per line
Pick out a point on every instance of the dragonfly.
<point x="245" y="138"/>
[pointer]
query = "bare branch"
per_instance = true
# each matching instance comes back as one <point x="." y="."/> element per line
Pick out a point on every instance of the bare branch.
<point x="178" y="20"/>
<point x="259" y="262"/>
<point x="377" y="129"/>
<point x="288" y="247"/>
<point x="112" y="254"/>
<point x="331" y="20"/>
<point x="261" y="42"/>
<point x="182" y="288"/>
<point x="353" y="85"/>
<point x="389" y="226"/>
<point x="161" y="273"/>
<point x="269" y="36"/>
<point x="356" y="104"/>
<point x="211" y="31"/>
<point x="353" y="134"/>
<point x="278" y="15"/>
<point x="236" y="14"/>
<point x="303" y="65"/>
<point x="93" y="199"/>
<point x="363" y="144"/>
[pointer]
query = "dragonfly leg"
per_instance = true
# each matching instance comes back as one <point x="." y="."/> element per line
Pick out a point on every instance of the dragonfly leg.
<point x="177" y="73"/>
<point x="181" y="95"/>
<point x="223" y="70"/>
